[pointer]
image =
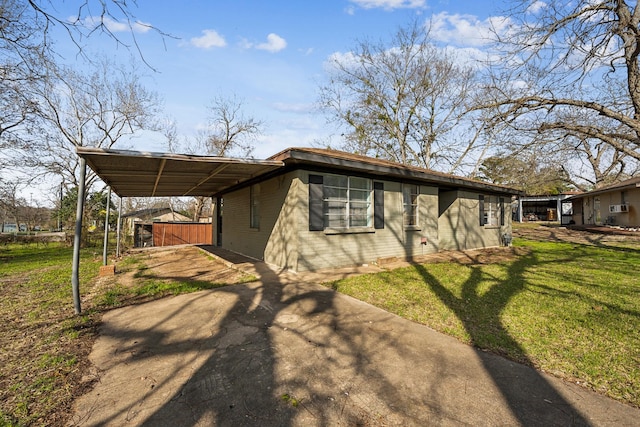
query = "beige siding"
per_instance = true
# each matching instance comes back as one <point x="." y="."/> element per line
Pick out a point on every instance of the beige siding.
<point x="445" y="221"/>
<point x="323" y="249"/>
<point x="283" y="209"/>
<point x="274" y="241"/>
<point x="459" y="225"/>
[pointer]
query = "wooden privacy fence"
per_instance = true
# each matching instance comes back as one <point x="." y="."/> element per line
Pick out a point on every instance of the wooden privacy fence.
<point x="180" y="233"/>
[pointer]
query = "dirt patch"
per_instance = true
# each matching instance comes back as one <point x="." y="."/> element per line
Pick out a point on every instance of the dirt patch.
<point x="184" y="263"/>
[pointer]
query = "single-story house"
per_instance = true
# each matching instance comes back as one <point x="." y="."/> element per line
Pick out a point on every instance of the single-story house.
<point x="615" y="204"/>
<point x="326" y="208"/>
<point x="149" y="215"/>
<point x="309" y="209"/>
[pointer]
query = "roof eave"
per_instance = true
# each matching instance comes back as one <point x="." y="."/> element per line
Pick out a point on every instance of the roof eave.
<point x="301" y="157"/>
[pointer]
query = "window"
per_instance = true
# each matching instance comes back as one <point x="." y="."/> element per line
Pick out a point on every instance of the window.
<point x="491" y="211"/>
<point x="345" y="202"/>
<point x="410" y="202"/>
<point x="254" y="206"/>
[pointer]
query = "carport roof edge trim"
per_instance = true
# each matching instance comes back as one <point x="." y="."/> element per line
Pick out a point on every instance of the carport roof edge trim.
<point x="140" y="172"/>
<point x="84" y="151"/>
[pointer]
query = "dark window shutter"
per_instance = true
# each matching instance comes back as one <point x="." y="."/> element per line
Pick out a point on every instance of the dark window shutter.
<point x="481" y="209"/>
<point x="316" y="203"/>
<point x="502" y="210"/>
<point x="378" y="205"/>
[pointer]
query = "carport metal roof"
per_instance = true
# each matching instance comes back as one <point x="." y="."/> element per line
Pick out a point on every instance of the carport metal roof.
<point x="147" y="174"/>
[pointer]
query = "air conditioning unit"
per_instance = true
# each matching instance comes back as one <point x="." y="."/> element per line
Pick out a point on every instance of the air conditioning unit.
<point x="618" y="208"/>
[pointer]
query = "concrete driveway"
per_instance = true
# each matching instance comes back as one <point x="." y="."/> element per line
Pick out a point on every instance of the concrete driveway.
<point x="285" y="351"/>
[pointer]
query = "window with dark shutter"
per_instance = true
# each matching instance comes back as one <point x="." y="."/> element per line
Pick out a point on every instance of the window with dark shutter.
<point x="502" y="210"/>
<point x="378" y="205"/>
<point x="316" y="203"/>
<point x="481" y="210"/>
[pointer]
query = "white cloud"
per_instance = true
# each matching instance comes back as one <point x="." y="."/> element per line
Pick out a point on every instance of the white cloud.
<point x="390" y="4"/>
<point x="209" y="39"/>
<point x="274" y="43"/>
<point x="467" y="30"/>
<point x="536" y="7"/>
<point x="111" y="25"/>
<point x="347" y="60"/>
<point x="293" y="108"/>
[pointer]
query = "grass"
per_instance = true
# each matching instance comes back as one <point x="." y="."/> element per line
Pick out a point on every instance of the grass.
<point x="149" y="286"/>
<point x="39" y="332"/>
<point x="569" y="309"/>
<point x="44" y="346"/>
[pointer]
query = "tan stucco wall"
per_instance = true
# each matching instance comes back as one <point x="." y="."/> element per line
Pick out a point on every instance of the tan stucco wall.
<point x="459" y="225"/>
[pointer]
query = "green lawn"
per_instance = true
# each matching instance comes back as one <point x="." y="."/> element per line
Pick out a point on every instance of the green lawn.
<point x="44" y="345"/>
<point x="569" y="309"/>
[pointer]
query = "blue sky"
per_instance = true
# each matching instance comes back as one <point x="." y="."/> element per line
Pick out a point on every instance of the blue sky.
<point x="270" y="54"/>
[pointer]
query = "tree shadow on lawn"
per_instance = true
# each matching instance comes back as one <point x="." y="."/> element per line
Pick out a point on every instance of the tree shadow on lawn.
<point x="533" y="400"/>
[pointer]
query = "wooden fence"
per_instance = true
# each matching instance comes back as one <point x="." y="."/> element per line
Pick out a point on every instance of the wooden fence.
<point x="180" y="233"/>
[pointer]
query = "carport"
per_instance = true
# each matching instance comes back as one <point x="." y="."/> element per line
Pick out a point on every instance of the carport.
<point x="148" y="174"/>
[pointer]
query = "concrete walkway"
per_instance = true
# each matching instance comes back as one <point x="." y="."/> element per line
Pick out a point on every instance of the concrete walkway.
<point x="285" y="351"/>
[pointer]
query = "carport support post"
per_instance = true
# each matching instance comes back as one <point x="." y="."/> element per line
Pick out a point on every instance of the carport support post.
<point x="106" y="229"/>
<point x="118" y="228"/>
<point x="75" y="280"/>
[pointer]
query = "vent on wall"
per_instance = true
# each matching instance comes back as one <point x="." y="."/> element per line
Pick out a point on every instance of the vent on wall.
<point x="618" y="208"/>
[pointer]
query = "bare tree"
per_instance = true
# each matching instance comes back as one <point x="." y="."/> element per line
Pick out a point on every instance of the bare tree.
<point x="95" y="109"/>
<point x="403" y="100"/>
<point x="569" y="71"/>
<point x="229" y="132"/>
<point x="27" y="50"/>
<point x="22" y="62"/>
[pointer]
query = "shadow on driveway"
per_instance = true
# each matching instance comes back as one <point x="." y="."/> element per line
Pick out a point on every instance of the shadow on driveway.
<point x="283" y="351"/>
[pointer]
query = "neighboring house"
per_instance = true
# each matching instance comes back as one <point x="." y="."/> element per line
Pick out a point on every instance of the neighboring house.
<point x="149" y="215"/>
<point x="139" y="224"/>
<point x="553" y="208"/>
<point x="327" y="208"/>
<point x="616" y="204"/>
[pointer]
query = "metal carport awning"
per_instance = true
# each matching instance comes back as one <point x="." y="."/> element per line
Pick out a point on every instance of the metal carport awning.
<point x="148" y="174"/>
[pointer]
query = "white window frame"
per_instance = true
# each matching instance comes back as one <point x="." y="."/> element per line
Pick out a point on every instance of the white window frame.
<point x="343" y="210"/>
<point x="492" y="211"/>
<point x="410" y="203"/>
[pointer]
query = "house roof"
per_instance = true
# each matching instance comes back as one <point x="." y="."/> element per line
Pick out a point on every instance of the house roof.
<point x="353" y="162"/>
<point x="151" y="212"/>
<point x="147" y="174"/>
<point x="623" y="185"/>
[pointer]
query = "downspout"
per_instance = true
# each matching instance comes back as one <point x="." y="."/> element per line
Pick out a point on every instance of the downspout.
<point x="75" y="280"/>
